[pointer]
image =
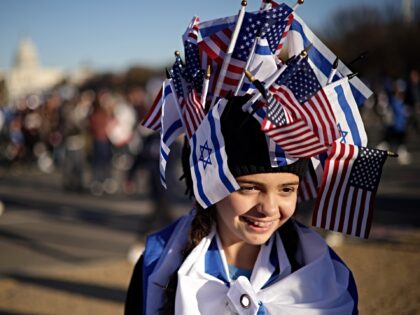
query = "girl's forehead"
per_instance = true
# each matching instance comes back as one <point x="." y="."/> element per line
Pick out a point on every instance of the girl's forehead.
<point x="269" y="178"/>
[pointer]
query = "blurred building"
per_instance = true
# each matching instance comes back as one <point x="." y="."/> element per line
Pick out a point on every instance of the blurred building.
<point x="27" y="74"/>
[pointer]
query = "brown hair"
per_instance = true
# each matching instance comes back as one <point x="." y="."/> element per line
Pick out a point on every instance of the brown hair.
<point x="200" y="227"/>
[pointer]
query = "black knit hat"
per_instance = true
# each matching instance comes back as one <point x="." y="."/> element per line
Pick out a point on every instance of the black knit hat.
<point x="246" y="145"/>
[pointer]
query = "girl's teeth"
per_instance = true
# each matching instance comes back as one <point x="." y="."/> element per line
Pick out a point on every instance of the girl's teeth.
<point x="260" y="224"/>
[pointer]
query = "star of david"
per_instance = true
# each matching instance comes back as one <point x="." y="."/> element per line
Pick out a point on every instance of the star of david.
<point x="343" y="134"/>
<point x="205" y="153"/>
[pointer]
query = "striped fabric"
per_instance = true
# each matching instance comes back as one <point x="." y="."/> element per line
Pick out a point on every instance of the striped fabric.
<point x="348" y="189"/>
<point x="212" y="179"/>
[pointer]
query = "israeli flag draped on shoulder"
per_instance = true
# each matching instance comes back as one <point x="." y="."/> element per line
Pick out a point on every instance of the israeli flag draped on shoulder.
<point x="204" y="286"/>
<point x="171" y="126"/>
<point x="212" y="179"/>
<point x="322" y="58"/>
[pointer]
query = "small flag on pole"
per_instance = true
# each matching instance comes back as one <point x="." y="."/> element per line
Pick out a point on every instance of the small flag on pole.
<point x="193" y="112"/>
<point x="347" y="193"/>
<point x="322" y="58"/>
<point x="171" y="127"/>
<point x="273" y="25"/>
<point x="346" y="112"/>
<point x="310" y="127"/>
<point x="212" y="179"/>
<point x="193" y="73"/>
<point x="152" y="118"/>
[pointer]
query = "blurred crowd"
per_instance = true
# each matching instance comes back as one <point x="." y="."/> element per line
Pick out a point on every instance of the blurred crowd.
<point x="95" y="139"/>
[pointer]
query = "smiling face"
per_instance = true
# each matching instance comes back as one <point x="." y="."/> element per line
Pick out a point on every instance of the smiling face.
<point x="264" y="202"/>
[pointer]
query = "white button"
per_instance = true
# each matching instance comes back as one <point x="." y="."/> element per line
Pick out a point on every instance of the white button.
<point x="245" y="301"/>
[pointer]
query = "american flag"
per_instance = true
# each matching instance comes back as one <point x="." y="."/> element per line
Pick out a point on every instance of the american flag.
<point x="308" y="186"/>
<point x="193" y="112"/>
<point x="276" y="115"/>
<point x="193" y="73"/>
<point x="310" y="127"/>
<point x="152" y="118"/>
<point x="299" y="78"/>
<point x="272" y="24"/>
<point x="177" y="79"/>
<point x="348" y="189"/>
<point x="297" y="139"/>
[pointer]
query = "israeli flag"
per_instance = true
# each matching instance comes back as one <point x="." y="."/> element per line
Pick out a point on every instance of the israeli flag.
<point x="321" y="58"/>
<point x="171" y="126"/>
<point x="262" y="66"/>
<point x="346" y="112"/>
<point x="212" y="179"/>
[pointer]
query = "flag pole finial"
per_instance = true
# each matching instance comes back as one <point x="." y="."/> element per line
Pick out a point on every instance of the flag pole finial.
<point x="177" y="53"/>
<point x="335" y="64"/>
<point x="352" y="75"/>
<point x="298" y="4"/>
<point x="304" y="52"/>
<point x="244" y="3"/>
<point x="249" y="76"/>
<point x="208" y="72"/>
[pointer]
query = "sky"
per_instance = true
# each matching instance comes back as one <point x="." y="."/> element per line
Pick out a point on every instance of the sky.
<point x="111" y="35"/>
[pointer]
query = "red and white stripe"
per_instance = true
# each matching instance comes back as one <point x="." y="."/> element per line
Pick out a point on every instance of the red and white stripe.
<point x="297" y="139"/>
<point x="284" y="35"/>
<point x="152" y="118"/>
<point x="308" y="186"/>
<point x="316" y="112"/>
<point x="212" y="51"/>
<point x="193" y="113"/>
<point x="191" y="34"/>
<point x="342" y="207"/>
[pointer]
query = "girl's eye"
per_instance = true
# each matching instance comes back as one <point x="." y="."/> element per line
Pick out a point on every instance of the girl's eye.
<point x="247" y="188"/>
<point x="288" y="189"/>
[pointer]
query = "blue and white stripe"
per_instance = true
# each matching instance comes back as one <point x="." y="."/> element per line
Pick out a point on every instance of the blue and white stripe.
<point x="171" y="126"/>
<point x="346" y="113"/>
<point x="322" y="58"/>
<point x="212" y="179"/>
<point x="262" y="66"/>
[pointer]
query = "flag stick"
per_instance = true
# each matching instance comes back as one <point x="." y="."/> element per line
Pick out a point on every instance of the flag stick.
<point x="184" y="88"/>
<point x="169" y="77"/>
<point x="269" y="82"/>
<point x="265" y="5"/>
<point x="352" y="75"/>
<point x="298" y="4"/>
<point x="248" y="62"/>
<point x="229" y="52"/>
<point x="391" y="154"/>
<point x="333" y="71"/>
<point x="205" y="86"/>
<point x="273" y="78"/>
<point x="358" y="58"/>
<point x="257" y="83"/>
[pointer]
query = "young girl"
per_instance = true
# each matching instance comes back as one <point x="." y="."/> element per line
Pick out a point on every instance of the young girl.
<point x="244" y="254"/>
